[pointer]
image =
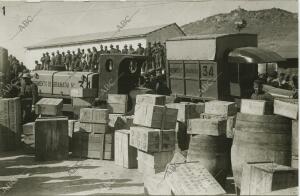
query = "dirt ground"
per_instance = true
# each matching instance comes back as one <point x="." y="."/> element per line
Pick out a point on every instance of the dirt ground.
<point x="21" y="175"/>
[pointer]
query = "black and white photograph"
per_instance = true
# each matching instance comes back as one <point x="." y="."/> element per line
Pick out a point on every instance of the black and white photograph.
<point x="158" y="97"/>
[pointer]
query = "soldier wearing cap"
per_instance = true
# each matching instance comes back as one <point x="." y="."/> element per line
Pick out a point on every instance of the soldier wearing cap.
<point x="112" y="50"/>
<point x="47" y="61"/>
<point x="43" y="60"/>
<point x="68" y="60"/>
<point x="29" y="97"/>
<point x="106" y="51"/>
<point x="58" y="58"/>
<point x="125" y="49"/>
<point x="37" y="66"/>
<point x="73" y="61"/>
<point x="131" y="50"/>
<point x="94" y="58"/>
<point x="89" y="58"/>
<point x="63" y="59"/>
<point x="118" y="49"/>
<point x="140" y="50"/>
<point x="52" y="62"/>
<point x="259" y="94"/>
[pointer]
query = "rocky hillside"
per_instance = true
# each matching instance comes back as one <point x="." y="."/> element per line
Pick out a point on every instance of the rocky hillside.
<point x="277" y="29"/>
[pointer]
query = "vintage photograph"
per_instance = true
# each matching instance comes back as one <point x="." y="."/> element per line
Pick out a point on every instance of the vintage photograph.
<point x="158" y="97"/>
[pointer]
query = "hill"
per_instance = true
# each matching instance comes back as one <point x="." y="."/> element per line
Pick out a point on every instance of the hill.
<point x="277" y="29"/>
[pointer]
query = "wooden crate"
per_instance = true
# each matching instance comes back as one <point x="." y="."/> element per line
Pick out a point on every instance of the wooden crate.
<point x="152" y="163"/>
<point x="224" y="108"/>
<point x="287" y="108"/>
<point x="28" y="128"/>
<point x="94" y="127"/>
<point x="186" y="110"/>
<point x="258" y="178"/>
<point x="94" y="115"/>
<point x="151" y="99"/>
<point x="125" y="155"/>
<point x="257" y="107"/>
<point x="156" y="185"/>
<point x="86" y="145"/>
<point x="120" y="121"/>
<point x="191" y="179"/>
<point x="117" y="103"/>
<point x="51" y="139"/>
<point x="152" y="140"/>
<point x="49" y="106"/>
<point x="211" y="126"/>
<point x="83" y="92"/>
<point x="155" y="116"/>
<point x="230" y="122"/>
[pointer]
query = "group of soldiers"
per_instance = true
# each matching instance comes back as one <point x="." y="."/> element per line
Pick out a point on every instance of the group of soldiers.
<point x="89" y="60"/>
<point x="282" y="80"/>
<point x="15" y="67"/>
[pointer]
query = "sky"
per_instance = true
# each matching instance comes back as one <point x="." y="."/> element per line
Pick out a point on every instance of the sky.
<point x="57" y="19"/>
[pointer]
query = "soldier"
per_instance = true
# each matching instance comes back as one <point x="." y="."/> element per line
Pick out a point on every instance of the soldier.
<point x="118" y="49"/>
<point x="148" y="54"/>
<point x="63" y="59"/>
<point x="259" y="94"/>
<point x="37" y="66"/>
<point x="47" y="61"/>
<point x="53" y="59"/>
<point x="112" y="50"/>
<point x="73" y="61"/>
<point x="68" y="60"/>
<point x="101" y="51"/>
<point x="140" y="50"/>
<point x="131" y="50"/>
<point x="155" y="55"/>
<point x="29" y="97"/>
<point x="43" y="60"/>
<point x="125" y="49"/>
<point x="106" y="51"/>
<point x="160" y="54"/>
<point x="23" y="68"/>
<point x="94" y="58"/>
<point x="16" y="68"/>
<point x="58" y="58"/>
<point x="89" y="58"/>
<point x="78" y="60"/>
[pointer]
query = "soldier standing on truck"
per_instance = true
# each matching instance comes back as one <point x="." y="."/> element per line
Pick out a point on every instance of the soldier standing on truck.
<point x="112" y="50"/>
<point x="29" y="96"/>
<point x="73" y="61"/>
<point x="118" y="49"/>
<point x="43" y="60"/>
<point x="131" y="50"/>
<point x="106" y="50"/>
<point x="125" y="49"/>
<point x="52" y="62"/>
<point x="58" y="58"/>
<point x="89" y="58"/>
<point x="94" y="59"/>
<point x="47" y="61"/>
<point x="148" y="54"/>
<point x="63" y="59"/>
<point x="68" y="60"/>
<point x="140" y="50"/>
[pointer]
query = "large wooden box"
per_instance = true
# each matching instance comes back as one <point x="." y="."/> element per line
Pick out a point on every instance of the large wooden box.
<point x="186" y="110"/>
<point x="155" y="116"/>
<point x="152" y="163"/>
<point x="94" y="115"/>
<point x="213" y="126"/>
<point x="257" y="107"/>
<point x="151" y="99"/>
<point x="51" y="139"/>
<point x="287" y="108"/>
<point x="259" y="178"/>
<point x="230" y="122"/>
<point x="191" y="179"/>
<point x="125" y="155"/>
<point x="86" y="145"/>
<point x="49" y="106"/>
<point x="152" y="140"/>
<point x="83" y="92"/>
<point x="224" y="108"/>
<point x="117" y="103"/>
<point x="94" y="127"/>
<point x="28" y="128"/>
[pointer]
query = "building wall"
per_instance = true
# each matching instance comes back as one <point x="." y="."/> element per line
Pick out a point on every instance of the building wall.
<point x="165" y="33"/>
<point x="36" y="54"/>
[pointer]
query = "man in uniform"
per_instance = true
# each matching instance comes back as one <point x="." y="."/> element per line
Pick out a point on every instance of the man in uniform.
<point x="68" y="60"/>
<point x="47" y="61"/>
<point x="37" y="66"/>
<point x="125" y="49"/>
<point x="52" y="62"/>
<point x="63" y="60"/>
<point x="89" y="58"/>
<point x="148" y="54"/>
<point x="94" y="58"/>
<point x="131" y="50"/>
<point x="140" y="50"/>
<point x="29" y="97"/>
<point x="106" y="50"/>
<point x="118" y="49"/>
<point x="112" y="50"/>
<point x="58" y="58"/>
<point x="43" y="60"/>
<point x="259" y="94"/>
<point x="73" y="61"/>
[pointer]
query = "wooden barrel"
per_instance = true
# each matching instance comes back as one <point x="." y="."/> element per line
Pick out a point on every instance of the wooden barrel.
<point x="213" y="153"/>
<point x="259" y="138"/>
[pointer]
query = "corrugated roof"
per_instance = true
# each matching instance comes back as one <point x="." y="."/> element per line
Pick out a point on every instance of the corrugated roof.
<point x="208" y="36"/>
<point x="102" y="36"/>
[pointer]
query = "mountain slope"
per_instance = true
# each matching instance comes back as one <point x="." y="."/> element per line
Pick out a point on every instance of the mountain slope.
<point x="277" y="29"/>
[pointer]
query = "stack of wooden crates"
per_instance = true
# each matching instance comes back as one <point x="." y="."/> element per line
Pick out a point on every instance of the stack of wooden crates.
<point x="51" y="131"/>
<point x="153" y="133"/>
<point x="10" y="123"/>
<point x="94" y="138"/>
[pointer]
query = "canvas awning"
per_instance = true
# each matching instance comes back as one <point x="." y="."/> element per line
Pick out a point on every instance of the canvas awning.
<point x="253" y="55"/>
